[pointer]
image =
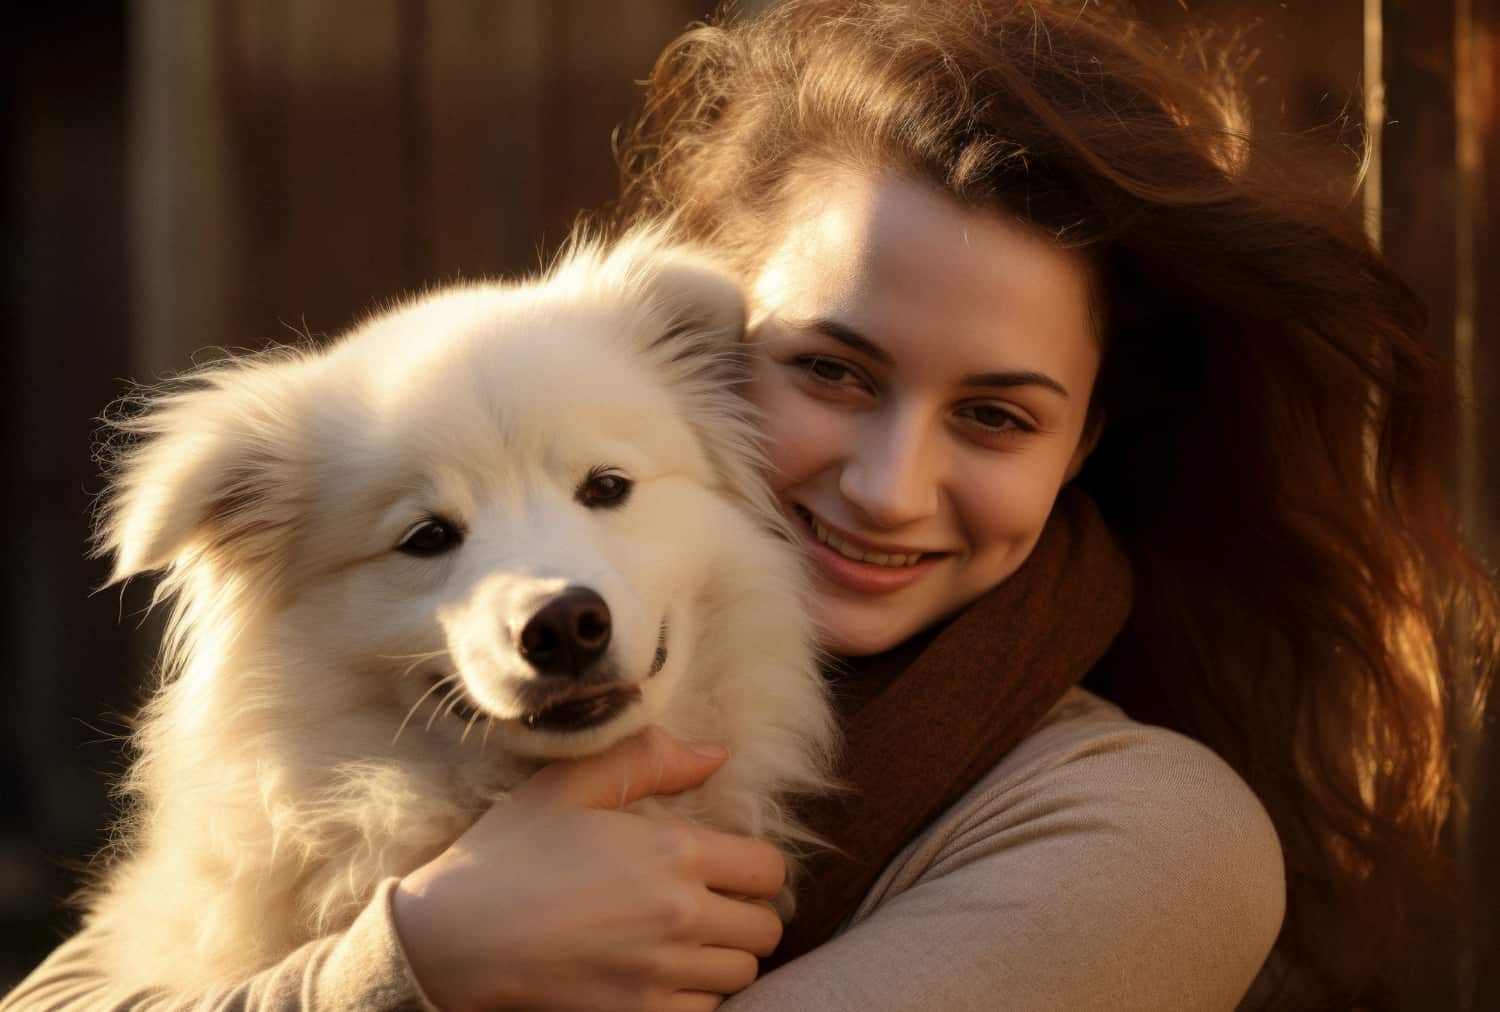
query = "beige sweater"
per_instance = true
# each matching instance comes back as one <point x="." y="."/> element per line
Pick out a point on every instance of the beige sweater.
<point x="1103" y="864"/>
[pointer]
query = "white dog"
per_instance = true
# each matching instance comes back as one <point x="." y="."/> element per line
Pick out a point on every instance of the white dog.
<point x="498" y="524"/>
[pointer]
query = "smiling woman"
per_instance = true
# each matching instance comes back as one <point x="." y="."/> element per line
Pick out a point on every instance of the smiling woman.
<point x="914" y="364"/>
<point x="926" y="197"/>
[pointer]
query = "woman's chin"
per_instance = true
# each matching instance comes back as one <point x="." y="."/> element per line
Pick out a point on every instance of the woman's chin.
<point x="846" y="633"/>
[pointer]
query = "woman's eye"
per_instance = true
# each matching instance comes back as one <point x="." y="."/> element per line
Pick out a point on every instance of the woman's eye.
<point x="995" y="419"/>
<point x="432" y="536"/>
<point x="827" y="371"/>
<point x="604" y="489"/>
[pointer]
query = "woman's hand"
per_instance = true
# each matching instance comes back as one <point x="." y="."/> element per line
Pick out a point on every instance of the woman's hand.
<point x="555" y="899"/>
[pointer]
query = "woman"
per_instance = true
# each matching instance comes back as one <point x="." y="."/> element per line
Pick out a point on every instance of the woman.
<point x="1014" y="269"/>
<point x="1271" y="427"/>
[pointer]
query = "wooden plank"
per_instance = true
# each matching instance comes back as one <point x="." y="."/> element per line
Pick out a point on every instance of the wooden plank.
<point x="485" y="173"/>
<point x="377" y="147"/>
<point x="593" y="59"/>
<point x="1477" y="355"/>
<point x="521" y="102"/>
<point x="184" y="249"/>
<point x="1420" y="174"/>
<point x="319" y="161"/>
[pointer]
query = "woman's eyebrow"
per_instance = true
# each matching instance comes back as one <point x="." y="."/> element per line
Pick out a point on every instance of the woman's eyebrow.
<point x="848" y="336"/>
<point x="1020" y="378"/>
<point x="851" y="338"/>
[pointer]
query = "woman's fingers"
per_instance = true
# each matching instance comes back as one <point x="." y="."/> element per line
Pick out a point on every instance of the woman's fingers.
<point x="651" y="762"/>
<point x="691" y="1001"/>
<point x="706" y="940"/>
<point x="738" y="924"/>
<point x="739" y="865"/>
<point x="713" y="970"/>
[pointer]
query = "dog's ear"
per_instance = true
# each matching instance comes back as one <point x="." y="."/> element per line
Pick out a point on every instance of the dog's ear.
<point x="198" y="467"/>
<point x="701" y="312"/>
<point x="703" y="304"/>
<point x="694" y="307"/>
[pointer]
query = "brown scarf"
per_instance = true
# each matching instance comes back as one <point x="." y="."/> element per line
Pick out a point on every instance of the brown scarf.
<point x="926" y="720"/>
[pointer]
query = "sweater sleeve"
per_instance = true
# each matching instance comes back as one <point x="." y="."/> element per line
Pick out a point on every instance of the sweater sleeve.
<point x="1104" y="864"/>
<point x="363" y="968"/>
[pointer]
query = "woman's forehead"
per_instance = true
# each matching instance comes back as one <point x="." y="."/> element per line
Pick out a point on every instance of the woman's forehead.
<point x="898" y="261"/>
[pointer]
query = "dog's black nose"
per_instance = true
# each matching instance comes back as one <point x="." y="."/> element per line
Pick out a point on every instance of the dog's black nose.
<point x="567" y="634"/>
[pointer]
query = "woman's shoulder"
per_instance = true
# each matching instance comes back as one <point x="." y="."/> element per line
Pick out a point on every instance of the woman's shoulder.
<point x="1088" y="762"/>
<point x="1092" y="750"/>
<point x="1118" y="840"/>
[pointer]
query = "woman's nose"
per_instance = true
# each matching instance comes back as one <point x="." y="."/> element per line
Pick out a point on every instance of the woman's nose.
<point x="889" y="475"/>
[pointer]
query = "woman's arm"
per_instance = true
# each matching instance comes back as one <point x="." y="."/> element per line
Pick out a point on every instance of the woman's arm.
<point x="363" y="967"/>
<point x="1103" y="864"/>
<point x="551" y="900"/>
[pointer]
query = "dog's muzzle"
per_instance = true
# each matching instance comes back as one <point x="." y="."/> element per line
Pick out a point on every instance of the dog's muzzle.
<point x="565" y="642"/>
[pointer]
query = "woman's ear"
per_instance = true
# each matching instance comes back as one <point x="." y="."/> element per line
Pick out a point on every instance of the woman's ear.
<point x="1093" y="428"/>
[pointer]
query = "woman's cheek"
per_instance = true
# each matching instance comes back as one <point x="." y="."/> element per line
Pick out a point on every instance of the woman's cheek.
<point x="1029" y="483"/>
<point x="796" y="432"/>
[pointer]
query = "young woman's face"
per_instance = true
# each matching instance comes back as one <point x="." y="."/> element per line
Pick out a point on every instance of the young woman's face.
<point x="924" y="370"/>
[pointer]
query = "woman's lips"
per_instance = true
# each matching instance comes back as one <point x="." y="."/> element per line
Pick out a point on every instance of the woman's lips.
<point x="861" y="577"/>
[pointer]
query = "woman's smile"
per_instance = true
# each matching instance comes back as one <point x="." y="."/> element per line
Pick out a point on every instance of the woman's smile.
<point x="859" y="565"/>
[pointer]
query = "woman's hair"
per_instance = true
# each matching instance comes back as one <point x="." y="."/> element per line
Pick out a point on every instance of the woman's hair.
<point x="1276" y="432"/>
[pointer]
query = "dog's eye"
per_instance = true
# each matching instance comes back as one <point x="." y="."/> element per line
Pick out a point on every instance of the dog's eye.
<point x="603" y="489"/>
<point x="432" y="536"/>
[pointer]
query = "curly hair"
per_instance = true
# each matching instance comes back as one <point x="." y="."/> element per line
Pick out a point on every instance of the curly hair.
<point x="1276" y="430"/>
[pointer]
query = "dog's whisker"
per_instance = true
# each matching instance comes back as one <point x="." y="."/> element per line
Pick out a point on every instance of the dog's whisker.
<point x="406" y="672"/>
<point x="427" y="655"/>
<point x="445" y="705"/>
<point x="468" y="727"/>
<point x="420" y="699"/>
<point x="489" y="722"/>
<point x="452" y="707"/>
<point x="416" y="660"/>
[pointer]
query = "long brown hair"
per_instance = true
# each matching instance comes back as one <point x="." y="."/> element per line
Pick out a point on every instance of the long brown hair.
<point x="1275" y="430"/>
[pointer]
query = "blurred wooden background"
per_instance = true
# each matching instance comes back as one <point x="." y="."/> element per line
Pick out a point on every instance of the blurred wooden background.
<point x="182" y="176"/>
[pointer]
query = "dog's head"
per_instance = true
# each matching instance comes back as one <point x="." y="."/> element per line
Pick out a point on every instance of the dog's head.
<point x="509" y="502"/>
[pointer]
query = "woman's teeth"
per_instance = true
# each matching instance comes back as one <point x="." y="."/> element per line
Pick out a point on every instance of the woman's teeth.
<point x="848" y="551"/>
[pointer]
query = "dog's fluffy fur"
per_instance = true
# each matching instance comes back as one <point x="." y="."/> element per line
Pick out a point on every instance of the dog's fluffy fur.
<point x="334" y="709"/>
